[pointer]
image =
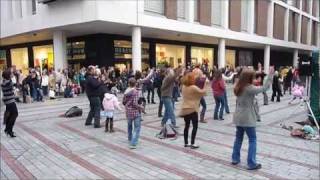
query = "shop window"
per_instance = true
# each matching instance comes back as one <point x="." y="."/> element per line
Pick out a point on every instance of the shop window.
<point x="154" y="6"/>
<point x="123" y="54"/>
<point x="43" y="57"/>
<point x="76" y="51"/>
<point x="230" y="58"/>
<point x="173" y="55"/>
<point x="203" y="56"/>
<point x="216" y="12"/>
<point x="19" y="58"/>
<point x="245" y="58"/>
<point x="3" y="60"/>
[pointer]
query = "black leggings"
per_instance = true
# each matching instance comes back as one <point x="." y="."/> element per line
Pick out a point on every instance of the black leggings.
<point x="11" y="115"/>
<point x="194" y="118"/>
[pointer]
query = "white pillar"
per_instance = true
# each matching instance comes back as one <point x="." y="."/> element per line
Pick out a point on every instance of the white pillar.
<point x="270" y="18"/>
<point x="266" y="62"/>
<point x="190" y="11"/>
<point x="222" y="53"/>
<point x="299" y="29"/>
<point x="251" y="16"/>
<point x="300" y="6"/>
<point x="136" y="49"/>
<point x="295" y="58"/>
<point x="60" y="50"/>
<point x="309" y="32"/>
<point x="286" y="25"/>
<point x="225" y="16"/>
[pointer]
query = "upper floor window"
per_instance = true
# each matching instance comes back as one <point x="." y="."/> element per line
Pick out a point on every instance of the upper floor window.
<point x="196" y="10"/>
<point x="216" y="12"/>
<point x="155" y="6"/>
<point x="245" y="15"/>
<point x="34" y="7"/>
<point x="181" y="9"/>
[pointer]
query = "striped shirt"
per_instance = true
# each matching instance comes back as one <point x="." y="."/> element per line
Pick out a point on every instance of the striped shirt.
<point x="8" y="93"/>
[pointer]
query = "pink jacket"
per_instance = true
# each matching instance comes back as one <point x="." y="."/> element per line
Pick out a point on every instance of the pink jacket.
<point x="297" y="90"/>
<point x="110" y="102"/>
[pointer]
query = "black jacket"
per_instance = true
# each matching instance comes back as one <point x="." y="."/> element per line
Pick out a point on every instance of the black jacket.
<point x="93" y="86"/>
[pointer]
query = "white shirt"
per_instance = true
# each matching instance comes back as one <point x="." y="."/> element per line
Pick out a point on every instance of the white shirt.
<point x="45" y="80"/>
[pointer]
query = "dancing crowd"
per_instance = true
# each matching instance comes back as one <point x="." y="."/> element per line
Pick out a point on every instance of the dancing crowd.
<point x="102" y="86"/>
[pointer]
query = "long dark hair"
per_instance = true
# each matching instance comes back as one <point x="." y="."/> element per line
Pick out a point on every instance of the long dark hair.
<point x="246" y="78"/>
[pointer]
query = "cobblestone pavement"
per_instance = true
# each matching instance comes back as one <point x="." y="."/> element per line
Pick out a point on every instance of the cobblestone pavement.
<point x="50" y="147"/>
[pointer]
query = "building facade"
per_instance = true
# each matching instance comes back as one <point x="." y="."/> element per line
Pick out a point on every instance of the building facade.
<point x="142" y="33"/>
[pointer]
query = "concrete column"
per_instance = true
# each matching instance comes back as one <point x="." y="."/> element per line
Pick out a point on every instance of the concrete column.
<point x="295" y="58"/>
<point x="300" y="6"/>
<point x="136" y="49"/>
<point x="266" y="61"/>
<point x="309" y="32"/>
<point x="251" y="17"/>
<point x="299" y="29"/>
<point x="60" y="50"/>
<point x="222" y="53"/>
<point x="286" y="25"/>
<point x="225" y="14"/>
<point x="270" y="19"/>
<point x="190" y="11"/>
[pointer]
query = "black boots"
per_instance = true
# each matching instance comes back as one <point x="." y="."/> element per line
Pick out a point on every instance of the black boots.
<point x="109" y="121"/>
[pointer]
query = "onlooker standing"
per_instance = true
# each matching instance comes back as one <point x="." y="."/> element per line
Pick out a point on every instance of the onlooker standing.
<point x="260" y="77"/>
<point x="245" y="116"/>
<point x="157" y="84"/>
<point x="276" y="87"/>
<point x="150" y="89"/>
<point x="45" y="83"/>
<point x="287" y="81"/>
<point x="110" y="103"/>
<point x="218" y="87"/>
<point x="166" y="95"/>
<point x="191" y="95"/>
<point x="133" y="112"/>
<point x="93" y="92"/>
<point x="11" y="112"/>
<point x="200" y="81"/>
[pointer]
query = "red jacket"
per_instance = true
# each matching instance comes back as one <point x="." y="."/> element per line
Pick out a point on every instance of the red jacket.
<point x="218" y="87"/>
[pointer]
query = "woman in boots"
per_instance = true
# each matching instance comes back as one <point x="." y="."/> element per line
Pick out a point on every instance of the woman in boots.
<point x="11" y="112"/>
<point x="110" y="103"/>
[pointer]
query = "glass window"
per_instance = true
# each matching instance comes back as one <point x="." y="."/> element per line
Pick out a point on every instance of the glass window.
<point x="76" y="50"/>
<point x="19" y="58"/>
<point x="196" y="12"/>
<point x="43" y="57"/>
<point x="155" y="6"/>
<point x="216" y="11"/>
<point x="230" y="58"/>
<point x="244" y="15"/>
<point x="171" y="54"/>
<point x="245" y="58"/>
<point x="123" y="54"/>
<point x="200" y="55"/>
<point x="181" y="9"/>
<point x="34" y="7"/>
<point x="3" y="60"/>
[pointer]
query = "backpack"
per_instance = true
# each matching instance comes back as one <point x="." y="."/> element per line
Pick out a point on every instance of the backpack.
<point x="167" y="131"/>
<point x="73" y="112"/>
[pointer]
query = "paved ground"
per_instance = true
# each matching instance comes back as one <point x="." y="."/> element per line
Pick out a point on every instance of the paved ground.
<point x="49" y="147"/>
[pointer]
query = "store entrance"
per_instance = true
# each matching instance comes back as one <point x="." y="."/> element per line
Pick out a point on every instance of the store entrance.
<point x="123" y="64"/>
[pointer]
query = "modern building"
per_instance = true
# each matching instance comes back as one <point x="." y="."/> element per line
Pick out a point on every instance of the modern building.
<point x="141" y="33"/>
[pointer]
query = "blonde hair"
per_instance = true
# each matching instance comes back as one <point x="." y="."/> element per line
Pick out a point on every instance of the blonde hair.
<point x="189" y="79"/>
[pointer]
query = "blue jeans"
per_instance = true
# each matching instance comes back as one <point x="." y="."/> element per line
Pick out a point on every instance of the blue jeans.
<point x="219" y="107"/>
<point x="133" y="136"/>
<point x="204" y="106"/>
<point x="168" y="111"/>
<point x="251" y="133"/>
<point x="226" y="102"/>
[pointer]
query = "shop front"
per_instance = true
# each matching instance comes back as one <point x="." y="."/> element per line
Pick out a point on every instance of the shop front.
<point x="20" y="59"/>
<point x="174" y="55"/>
<point x="202" y="56"/>
<point x="123" y="55"/>
<point x="230" y="58"/>
<point x="76" y="55"/>
<point x="3" y="60"/>
<point x="43" y="57"/>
